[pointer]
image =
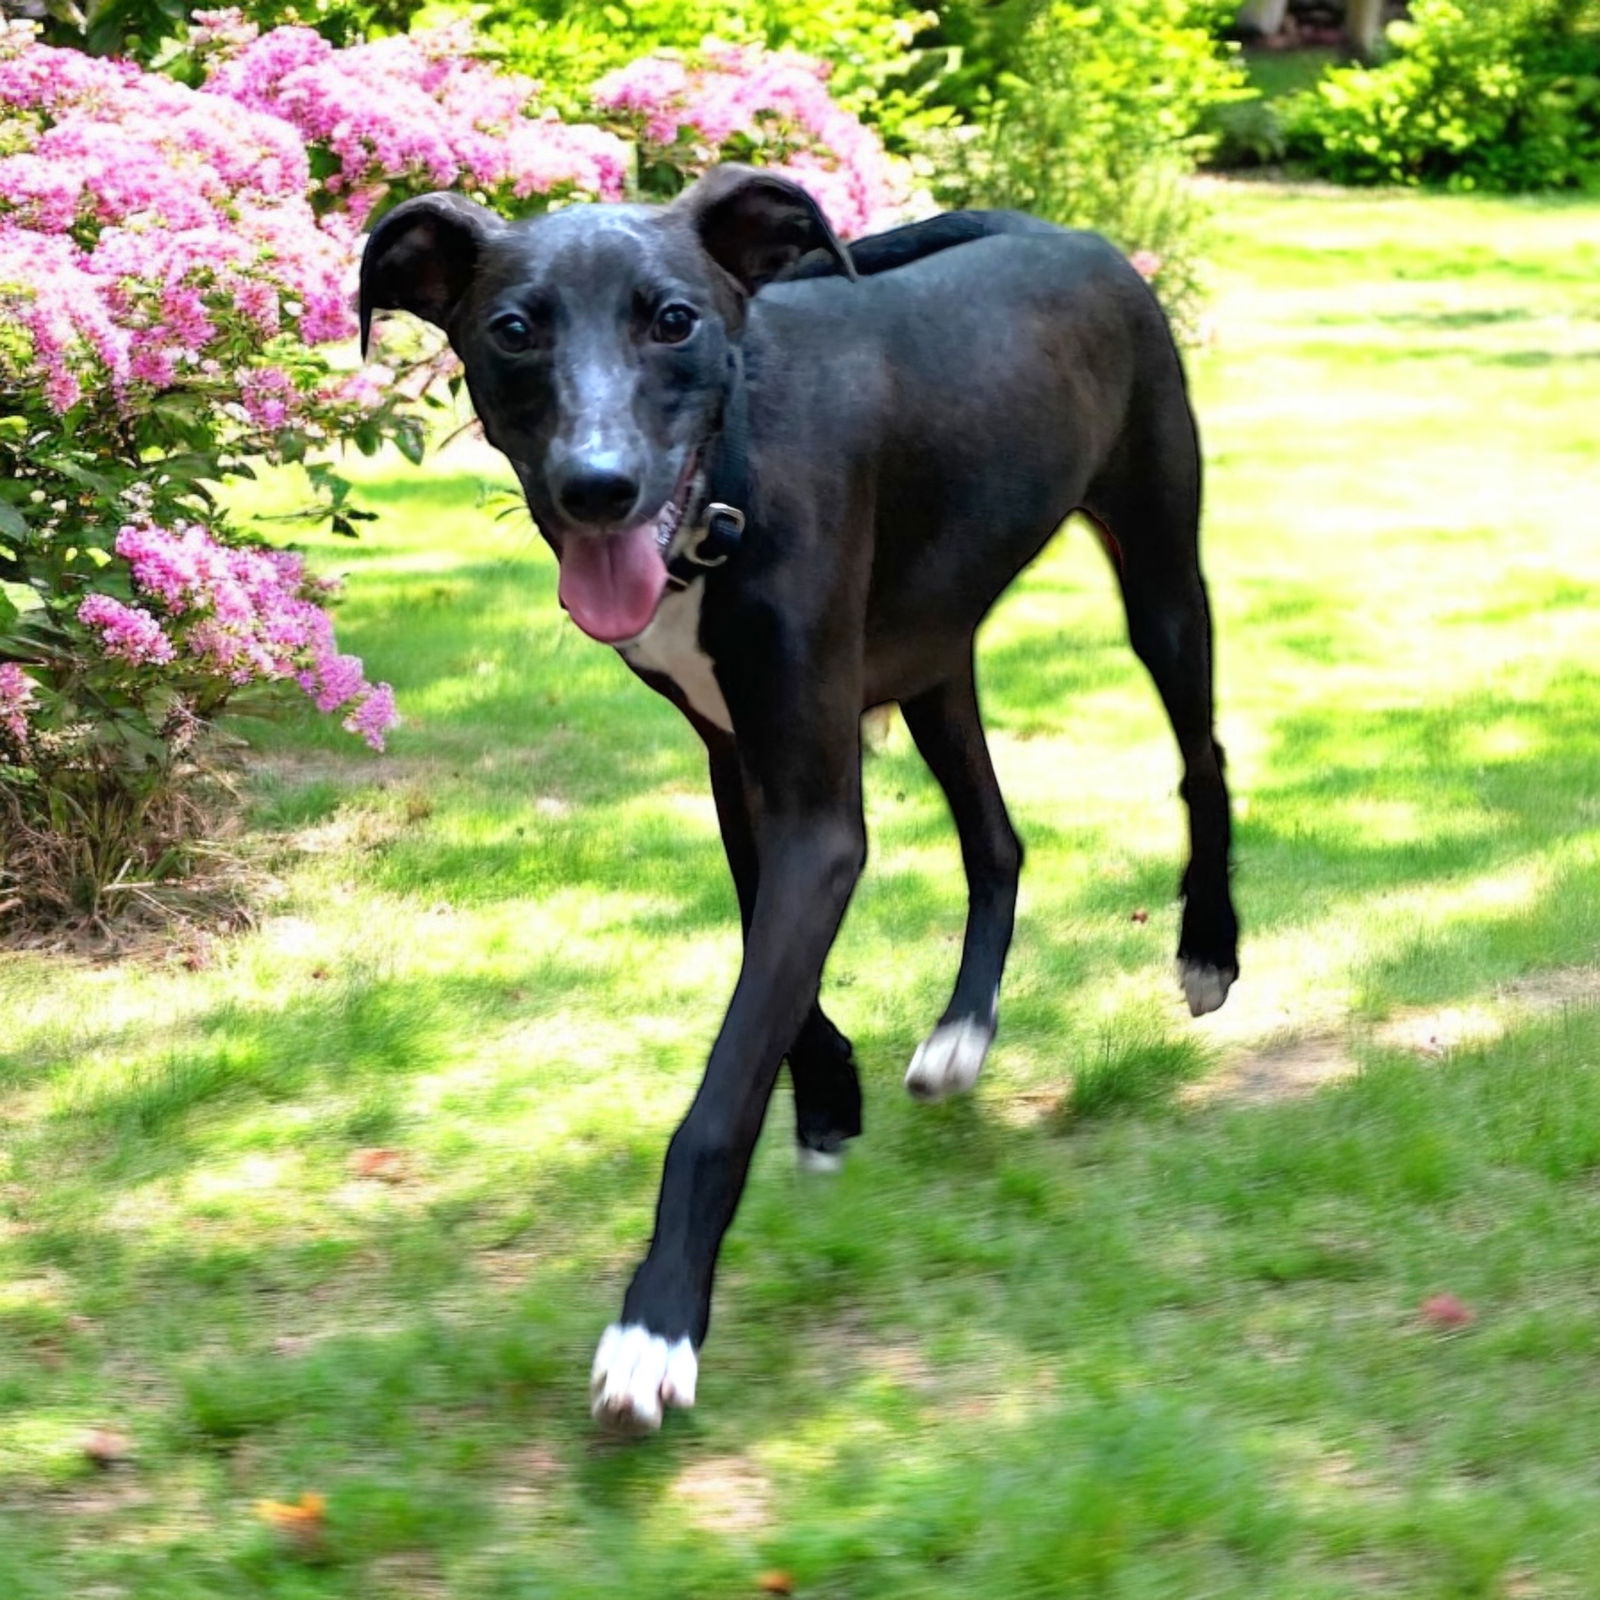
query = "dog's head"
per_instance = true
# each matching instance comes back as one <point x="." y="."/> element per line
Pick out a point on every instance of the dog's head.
<point x="596" y="341"/>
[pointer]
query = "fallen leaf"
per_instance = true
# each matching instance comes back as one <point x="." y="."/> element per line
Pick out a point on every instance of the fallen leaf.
<point x="1141" y="915"/>
<point x="380" y="1163"/>
<point x="301" y="1523"/>
<point x="1446" y="1311"/>
<point x="107" y="1448"/>
<point x="776" y="1582"/>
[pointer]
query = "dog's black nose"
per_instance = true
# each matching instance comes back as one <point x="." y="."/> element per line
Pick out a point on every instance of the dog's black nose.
<point x="596" y="492"/>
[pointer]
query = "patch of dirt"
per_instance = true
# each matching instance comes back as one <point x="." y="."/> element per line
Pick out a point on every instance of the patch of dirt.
<point x="352" y="830"/>
<point x="533" y="1472"/>
<point x="1291" y="1068"/>
<point x="725" y="1494"/>
<point x="1549" y="991"/>
<point x="1029" y="1107"/>
<point x="1286" y="1071"/>
<point x="406" y="1575"/>
<point x="100" y="1500"/>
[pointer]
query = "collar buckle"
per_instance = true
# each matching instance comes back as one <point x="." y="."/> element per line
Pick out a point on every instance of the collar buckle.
<point x="720" y="535"/>
<point x="724" y="530"/>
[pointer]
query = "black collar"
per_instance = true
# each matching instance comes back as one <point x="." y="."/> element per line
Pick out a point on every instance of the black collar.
<point x="720" y="526"/>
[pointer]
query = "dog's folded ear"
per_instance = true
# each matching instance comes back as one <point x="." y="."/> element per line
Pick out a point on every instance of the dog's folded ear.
<point x="755" y="224"/>
<point x="421" y="257"/>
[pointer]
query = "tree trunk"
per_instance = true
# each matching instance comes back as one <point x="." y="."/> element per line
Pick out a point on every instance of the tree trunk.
<point x="1260" y="19"/>
<point x="1363" y="24"/>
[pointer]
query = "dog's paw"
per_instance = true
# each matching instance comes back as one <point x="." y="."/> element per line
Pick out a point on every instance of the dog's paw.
<point x="949" y="1060"/>
<point x="1205" y="987"/>
<point x="636" y="1374"/>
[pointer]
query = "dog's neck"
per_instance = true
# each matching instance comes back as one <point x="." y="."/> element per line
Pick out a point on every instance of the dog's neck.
<point x="720" y="497"/>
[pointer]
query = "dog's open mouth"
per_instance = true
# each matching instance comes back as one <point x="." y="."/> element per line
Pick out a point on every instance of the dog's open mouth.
<point x="611" y="583"/>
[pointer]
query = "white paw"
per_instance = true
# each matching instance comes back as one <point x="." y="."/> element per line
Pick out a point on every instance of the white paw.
<point x="949" y="1060"/>
<point x="1205" y="987"/>
<point x="637" y="1373"/>
<point x="808" y="1160"/>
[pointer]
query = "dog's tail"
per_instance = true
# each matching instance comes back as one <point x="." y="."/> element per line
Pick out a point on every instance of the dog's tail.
<point x="899" y="247"/>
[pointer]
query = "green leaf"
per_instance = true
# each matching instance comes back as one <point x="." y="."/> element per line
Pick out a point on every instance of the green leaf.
<point x="409" y="437"/>
<point x="12" y="522"/>
<point x="82" y="475"/>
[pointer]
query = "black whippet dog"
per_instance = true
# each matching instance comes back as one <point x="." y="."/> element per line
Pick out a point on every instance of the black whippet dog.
<point x="903" y="442"/>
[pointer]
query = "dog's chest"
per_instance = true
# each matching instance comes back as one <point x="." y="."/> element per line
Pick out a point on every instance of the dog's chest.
<point x="671" y="646"/>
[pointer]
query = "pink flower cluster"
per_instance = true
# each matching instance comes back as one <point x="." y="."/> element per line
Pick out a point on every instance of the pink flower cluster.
<point x="153" y="236"/>
<point x="243" y="615"/>
<point x="146" y="229"/>
<point x="778" y="102"/>
<point x="126" y="632"/>
<point x="417" y="110"/>
<point x="16" y="694"/>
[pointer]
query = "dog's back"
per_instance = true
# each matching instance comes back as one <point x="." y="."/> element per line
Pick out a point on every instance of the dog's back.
<point x="915" y="241"/>
<point x="988" y="369"/>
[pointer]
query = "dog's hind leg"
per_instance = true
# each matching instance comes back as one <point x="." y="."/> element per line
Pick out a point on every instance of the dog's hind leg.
<point x="827" y="1092"/>
<point x="945" y="724"/>
<point x="1148" y="516"/>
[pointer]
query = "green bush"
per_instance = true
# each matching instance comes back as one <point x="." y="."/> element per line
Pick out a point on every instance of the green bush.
<point x="1099" y="126"/>
<point x="140" y="29"/>
<point x="1249" y="132"/>
<point x="877" y="72"/>
<point x="983" y="40"/>
<point x="1089" y="114"/>
<point x="1246" y="134"/>
<point x="1504" y="98"/>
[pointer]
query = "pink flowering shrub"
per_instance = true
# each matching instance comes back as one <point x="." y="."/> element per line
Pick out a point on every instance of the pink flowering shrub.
<point x="407" y="114"/>
<point x="769" y="107"/>
<point x="176" y="274"/>
<point x="172" y="309"/>
<point x="229" y="617"/>
<point x="16" y="695"/>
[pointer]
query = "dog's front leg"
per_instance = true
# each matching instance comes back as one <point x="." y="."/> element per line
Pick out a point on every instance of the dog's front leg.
<point x="810" y="853"/>
<point x="827" y="1092"/>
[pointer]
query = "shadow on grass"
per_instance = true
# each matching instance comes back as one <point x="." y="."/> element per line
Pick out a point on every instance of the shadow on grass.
<point x="1357" y="803"/>
<point x="1471" y="787"/>
<point x="1361" y="802"/>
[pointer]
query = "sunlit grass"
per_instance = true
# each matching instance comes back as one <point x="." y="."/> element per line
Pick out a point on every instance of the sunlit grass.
<point x="1092" y="1331"/>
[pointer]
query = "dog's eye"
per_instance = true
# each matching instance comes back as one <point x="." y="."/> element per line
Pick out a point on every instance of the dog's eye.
<point x="674" y="324"/>
<point x="512" y="332"/>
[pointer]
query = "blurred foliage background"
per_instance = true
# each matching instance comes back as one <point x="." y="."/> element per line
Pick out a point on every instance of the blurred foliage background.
<point x="1091" y="114"/>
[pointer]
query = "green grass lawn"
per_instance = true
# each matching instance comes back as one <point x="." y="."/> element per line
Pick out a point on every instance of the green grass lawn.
<point x="1276" y="74"/>
<point x="1141" y="1317"/>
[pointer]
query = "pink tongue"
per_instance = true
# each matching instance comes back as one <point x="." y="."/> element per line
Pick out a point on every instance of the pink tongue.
<point x="612" y="584"/>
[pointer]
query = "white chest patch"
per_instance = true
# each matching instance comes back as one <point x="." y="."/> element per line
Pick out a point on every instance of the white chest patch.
<point x="671" y="646"/>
